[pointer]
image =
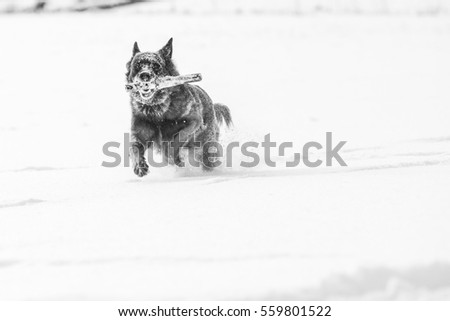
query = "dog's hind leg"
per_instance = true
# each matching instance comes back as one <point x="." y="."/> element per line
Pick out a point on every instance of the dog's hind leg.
<point x="211" y="152"/>
<point x="181" y="140"/>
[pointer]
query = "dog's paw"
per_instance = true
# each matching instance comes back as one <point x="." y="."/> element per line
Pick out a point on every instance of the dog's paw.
<point x="141" y="169"/>
<point x="178" y="161"/>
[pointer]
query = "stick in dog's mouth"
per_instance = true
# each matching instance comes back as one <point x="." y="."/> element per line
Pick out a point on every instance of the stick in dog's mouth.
<point x="147" y="89"/>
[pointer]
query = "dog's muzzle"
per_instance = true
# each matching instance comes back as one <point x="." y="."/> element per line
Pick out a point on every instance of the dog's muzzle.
<point x="144" y="84"/>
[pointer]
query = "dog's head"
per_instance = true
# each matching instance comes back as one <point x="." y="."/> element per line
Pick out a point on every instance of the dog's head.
<point x="146" y="66"/>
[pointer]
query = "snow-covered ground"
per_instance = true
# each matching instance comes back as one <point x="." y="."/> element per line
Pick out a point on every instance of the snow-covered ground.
<point x="426" y="7"/>
<point x="377" y="229"/>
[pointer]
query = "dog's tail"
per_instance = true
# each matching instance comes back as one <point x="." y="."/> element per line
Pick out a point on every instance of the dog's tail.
<point x="223" y="114"/>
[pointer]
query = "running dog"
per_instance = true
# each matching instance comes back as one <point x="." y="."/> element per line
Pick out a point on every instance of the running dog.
<point x="170" y="119"/>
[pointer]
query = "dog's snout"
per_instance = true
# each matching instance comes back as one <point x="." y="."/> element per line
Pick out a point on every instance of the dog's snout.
<point x="144" y="76"/>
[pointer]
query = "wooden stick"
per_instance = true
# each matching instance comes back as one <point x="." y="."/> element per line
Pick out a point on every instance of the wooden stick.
<point x="164" y="82"/>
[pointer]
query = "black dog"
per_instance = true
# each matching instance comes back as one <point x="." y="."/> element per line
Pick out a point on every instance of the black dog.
<point x="184" y="116"/>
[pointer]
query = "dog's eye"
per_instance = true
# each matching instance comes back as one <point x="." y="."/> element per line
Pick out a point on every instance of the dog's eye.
<point x="156" y="68"/>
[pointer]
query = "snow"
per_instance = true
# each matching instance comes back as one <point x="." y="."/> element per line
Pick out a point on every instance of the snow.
<point x="423" y="7"/>
<point x="376" y="229"/>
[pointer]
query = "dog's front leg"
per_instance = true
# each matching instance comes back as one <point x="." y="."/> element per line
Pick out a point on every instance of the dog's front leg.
<point x="142" y="134"/>
<point x="137" y="151"/>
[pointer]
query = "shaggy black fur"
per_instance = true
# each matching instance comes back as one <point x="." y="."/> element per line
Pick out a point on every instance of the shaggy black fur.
<point x="183" y="113"/>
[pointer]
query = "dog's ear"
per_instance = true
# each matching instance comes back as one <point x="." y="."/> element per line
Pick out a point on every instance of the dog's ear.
<point x="166" y="51"/>
<point x="136" y="48"/>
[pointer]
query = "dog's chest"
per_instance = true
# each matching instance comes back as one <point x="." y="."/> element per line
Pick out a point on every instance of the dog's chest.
<point x="170" y="106"/>
<point x="152" y="112"/>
